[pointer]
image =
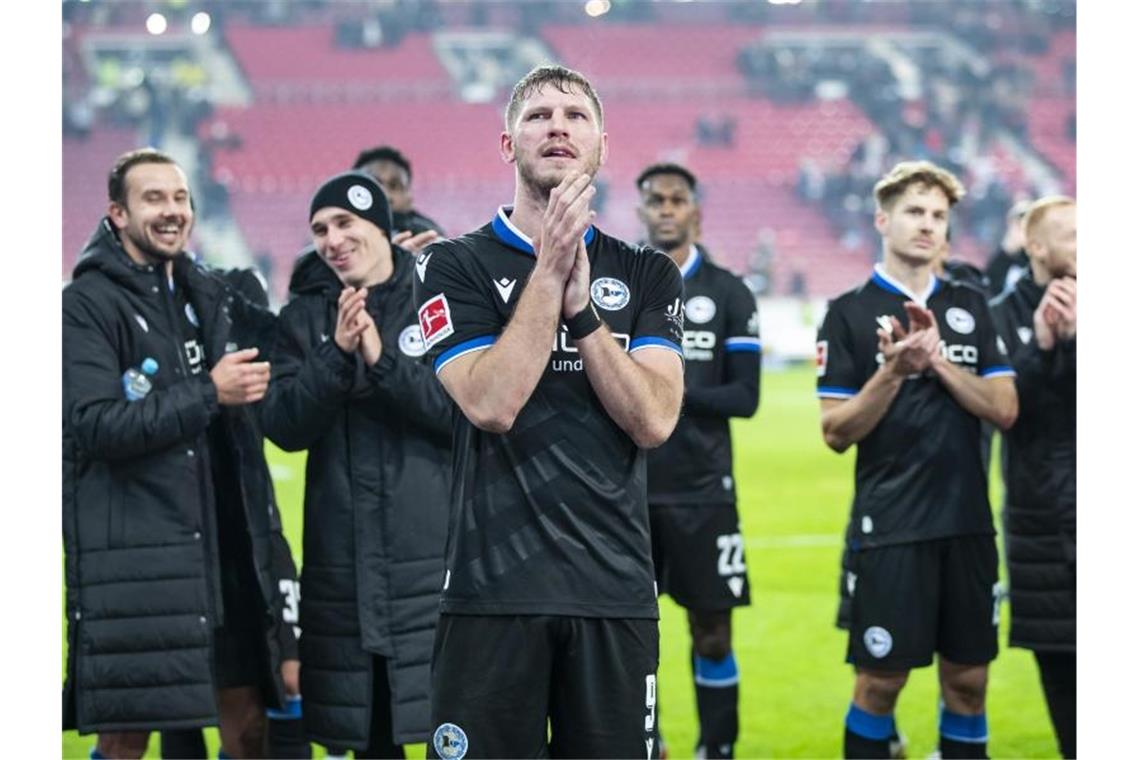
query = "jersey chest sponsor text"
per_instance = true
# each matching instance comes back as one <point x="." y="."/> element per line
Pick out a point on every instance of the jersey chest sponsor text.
<point x="564" y="356"/>
<point x="699" y="345"/>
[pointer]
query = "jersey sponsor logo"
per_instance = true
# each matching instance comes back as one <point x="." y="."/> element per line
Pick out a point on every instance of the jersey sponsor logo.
<point x="960" y="320"/>
<point x="435" y="320"/>
<point x="411" y="341"/>
<point x="505" y="286"/>
<point x="450" y="741"/>
<point x="421" y="264"/>
<point x="191" y="315"/>
<point x="360" y="197"/>
<point x="821" y="358"/>
<point x="609" y="293"/>
<point x="699" y="344"/>
<point x="674" y="314"/>
<point x="960" y="354"/>
<point x="194" y="355"/>
<point x="878" y="641"/>
<point x="700" y="309"/>
<point x="1025" y="333"/>
<point x="563" y="344"/>
<point x="142" y="323"/>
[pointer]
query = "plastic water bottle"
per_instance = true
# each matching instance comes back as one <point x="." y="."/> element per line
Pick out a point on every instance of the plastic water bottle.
<point x="136" y="382"/>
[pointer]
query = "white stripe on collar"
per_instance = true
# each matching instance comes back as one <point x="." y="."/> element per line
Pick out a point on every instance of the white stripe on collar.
<point x="920" y="300"/>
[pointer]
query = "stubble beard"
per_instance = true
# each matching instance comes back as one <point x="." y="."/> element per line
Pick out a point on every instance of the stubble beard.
<point x="539" y="185"/>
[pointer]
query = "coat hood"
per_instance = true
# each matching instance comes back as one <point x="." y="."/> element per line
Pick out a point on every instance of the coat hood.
<point x="105" y="253"/>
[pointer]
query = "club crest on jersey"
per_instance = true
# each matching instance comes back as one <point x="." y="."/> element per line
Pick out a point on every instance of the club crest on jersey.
<point x="435" y="320"/>
<point x="878" y="641"/>
<point x="609" y="294"/>
<point x="450" y="742"/>
<point x="360" y="197"/>
<point x="821" y="358"/>
<point x="411" y="341"/>
<point x="960" y="320"/>
<point x="700" y="309"/>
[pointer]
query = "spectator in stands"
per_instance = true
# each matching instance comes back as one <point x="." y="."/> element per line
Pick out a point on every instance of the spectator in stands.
<point x="1009" y="261"/>
<point x="393" y="171"/>
<point x="1037" y="319"/>
<point x="173" y="618"/>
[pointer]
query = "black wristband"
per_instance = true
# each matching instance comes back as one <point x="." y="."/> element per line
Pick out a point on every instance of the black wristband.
<point x="584" y="322"/>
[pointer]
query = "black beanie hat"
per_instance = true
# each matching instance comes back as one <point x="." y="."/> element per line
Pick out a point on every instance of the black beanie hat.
<point x="357" y="193"/>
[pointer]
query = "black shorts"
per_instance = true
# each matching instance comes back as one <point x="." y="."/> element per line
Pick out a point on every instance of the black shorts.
<point x="497" y="679"/>
<point x="698" y="555"/>
<point x="912" y="600"/>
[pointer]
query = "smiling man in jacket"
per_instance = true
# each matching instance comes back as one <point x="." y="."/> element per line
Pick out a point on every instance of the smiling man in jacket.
<point x="1037" y="319"/>
<point x="349" y="386"/>
<point x="168" y="508"/>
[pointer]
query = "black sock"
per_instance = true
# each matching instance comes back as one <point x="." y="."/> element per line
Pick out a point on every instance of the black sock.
<point x="962" y="736"/>
<point x="717" y="695"/>
<point x="287" y="732"/>
<point x="867" y="735"/>
<point x="1059" y="680"/>
<point x="186" y="743"/>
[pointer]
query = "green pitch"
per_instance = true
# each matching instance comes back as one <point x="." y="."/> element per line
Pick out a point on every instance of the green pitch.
<point x="795" y="687"/>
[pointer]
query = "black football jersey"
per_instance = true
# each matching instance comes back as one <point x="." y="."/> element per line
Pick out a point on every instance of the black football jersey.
<point x="918" y="473"/>
<point x="550" y="517"/>
<point x="722" y="380"/>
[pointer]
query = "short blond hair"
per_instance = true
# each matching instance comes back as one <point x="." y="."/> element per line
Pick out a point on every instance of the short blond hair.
<point x="906" y="173"/>
<point x="1039" y="210"/>
<point x="564" y="79"/>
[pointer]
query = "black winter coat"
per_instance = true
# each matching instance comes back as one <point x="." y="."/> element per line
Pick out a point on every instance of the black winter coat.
<point x="1040" y="479"/>
<point x="376" y="497"/>
<point x="143" y="593"/>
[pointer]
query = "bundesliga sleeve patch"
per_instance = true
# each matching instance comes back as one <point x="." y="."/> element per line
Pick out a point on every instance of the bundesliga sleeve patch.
<point x="821" y="358"/>
<point x="435" y="320"/>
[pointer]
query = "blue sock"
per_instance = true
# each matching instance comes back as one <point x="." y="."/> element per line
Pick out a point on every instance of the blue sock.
<point x="867" y="735"/>
<point x="962" y="736"/>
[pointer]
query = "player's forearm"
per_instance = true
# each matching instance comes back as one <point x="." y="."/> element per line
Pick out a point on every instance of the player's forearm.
<point x="643" y="403"/>
<point x="992" y="399"/>
<point x="500" y="380"/>
<point x="850" y="421"/>
<point x="739" y="396"/>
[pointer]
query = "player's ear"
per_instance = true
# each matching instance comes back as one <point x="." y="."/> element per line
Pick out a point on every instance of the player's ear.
<point x="605" y="150"/>
<point x="118" y="215"/>
<point x="880" y="221"/>
<point x="507" y="148"/>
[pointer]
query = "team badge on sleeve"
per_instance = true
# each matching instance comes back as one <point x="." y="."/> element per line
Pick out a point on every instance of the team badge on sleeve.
<point x="450" y="742"/>
<point x="435" y="320"/>
<point x="821" y="358"/>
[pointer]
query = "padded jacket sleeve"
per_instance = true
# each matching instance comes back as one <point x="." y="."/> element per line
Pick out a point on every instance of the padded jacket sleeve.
<point x="105" y="424"/>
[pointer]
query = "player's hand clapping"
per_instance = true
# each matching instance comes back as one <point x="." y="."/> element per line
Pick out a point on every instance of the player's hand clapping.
<point x="909" y="352"/>
<point x="239" y="379"/>
<point x="567" y="217"/>
<point x="350" y="305"/>
<point x="415" y="243"/>
<point x="1056" y="316"/>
